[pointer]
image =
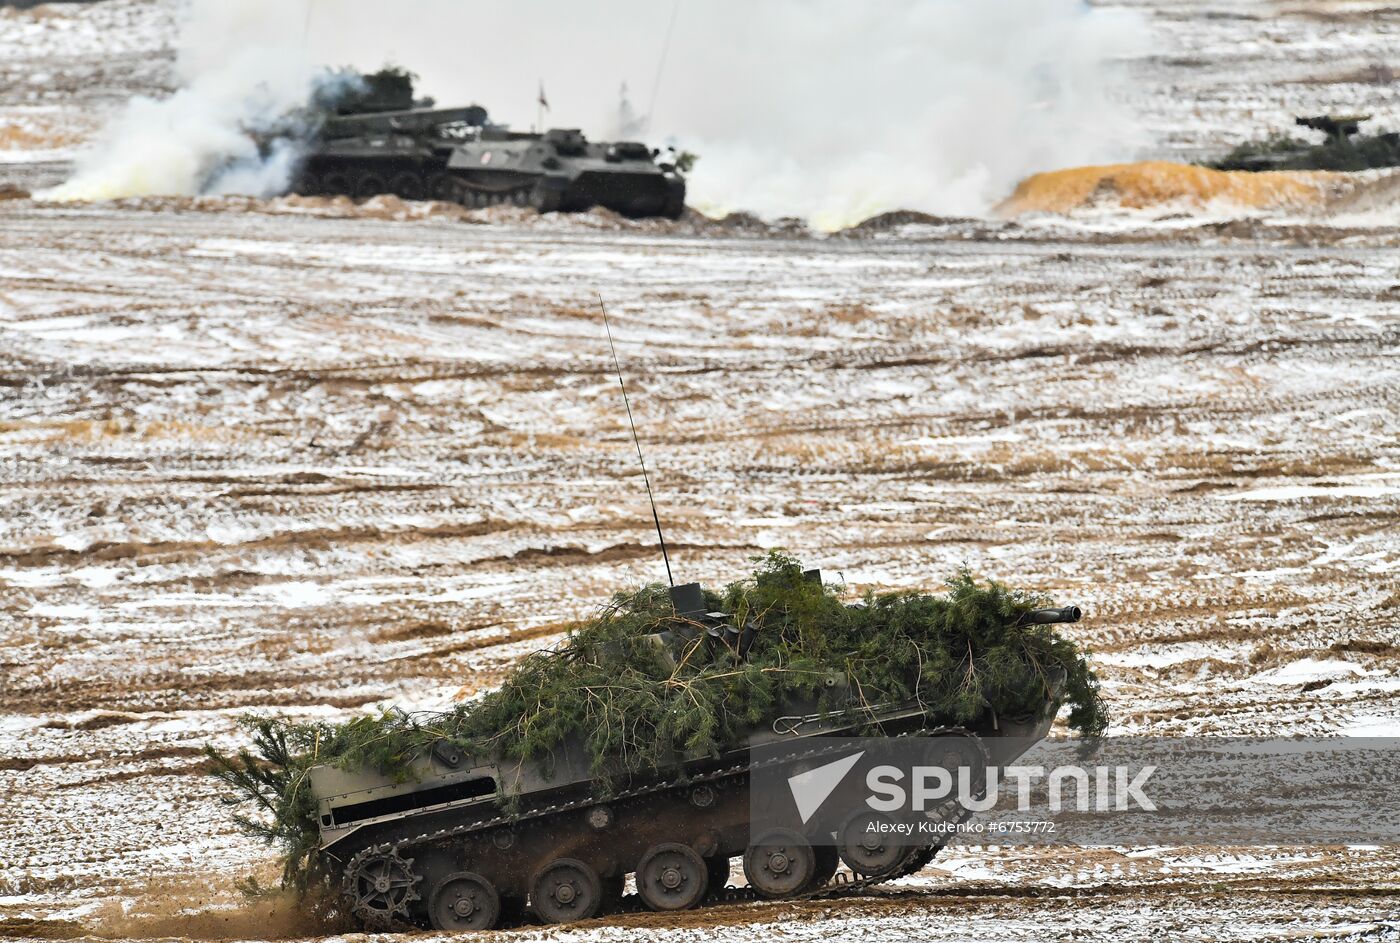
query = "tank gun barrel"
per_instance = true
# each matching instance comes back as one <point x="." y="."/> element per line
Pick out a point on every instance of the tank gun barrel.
<point x="1050" y="616"/>
<point x="1334" y="126"/>
<point x="405" y="122"/>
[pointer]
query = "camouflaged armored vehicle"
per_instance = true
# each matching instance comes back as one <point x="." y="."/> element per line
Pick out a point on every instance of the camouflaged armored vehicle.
<point x="371" y="136"/>
<point x="466" y="842"/>
<point x="1344" y="148"/>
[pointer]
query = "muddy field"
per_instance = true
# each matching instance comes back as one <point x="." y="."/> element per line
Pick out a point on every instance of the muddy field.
<point x="253" y="460"/>
<point x="311" y="457"/>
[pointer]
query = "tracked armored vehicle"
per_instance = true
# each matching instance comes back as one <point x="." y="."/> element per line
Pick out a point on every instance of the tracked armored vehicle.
<point x="1344" y="148"/>
<point x="373" y="137"/>
<point x="467" y="842"/>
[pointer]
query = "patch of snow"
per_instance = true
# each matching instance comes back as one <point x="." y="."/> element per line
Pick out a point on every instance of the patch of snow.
<point x="1164" y="655"/>
<point x="297" y="594"/>
<point x="1371" y="725"/>
<point x="1309" y="669"/>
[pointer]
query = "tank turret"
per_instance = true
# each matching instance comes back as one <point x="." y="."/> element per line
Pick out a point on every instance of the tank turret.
<point x="1336" y="127"/>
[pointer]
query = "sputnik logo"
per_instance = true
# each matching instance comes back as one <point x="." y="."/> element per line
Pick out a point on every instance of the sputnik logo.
<point x="811" y="789"/>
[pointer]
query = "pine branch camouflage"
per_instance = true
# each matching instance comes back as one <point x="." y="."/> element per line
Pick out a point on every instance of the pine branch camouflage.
<point x="960" y="654"/>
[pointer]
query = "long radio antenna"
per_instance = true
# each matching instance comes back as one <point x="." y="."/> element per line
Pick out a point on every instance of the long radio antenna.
<point x="660" y="67"/>
<point x="637" y="442"/>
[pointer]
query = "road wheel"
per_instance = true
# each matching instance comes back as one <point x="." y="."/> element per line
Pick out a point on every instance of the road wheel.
<point x="520" y="197"/>
<point x="441" y="187"/>
<point x="780" y="863"/>
<point x="369" y="185"/>
<point x="672" y="877"/>
<point x="336" y="184"/>
<point x="464" y="901"/>
<point x="566" y="890"/>
<point x="865" y="848"/>
<point x="407" y="186"/>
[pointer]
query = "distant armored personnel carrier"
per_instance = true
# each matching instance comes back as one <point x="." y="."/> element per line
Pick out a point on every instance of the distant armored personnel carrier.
<point x="373" y="137"/>
<point x="1344" y="148"/>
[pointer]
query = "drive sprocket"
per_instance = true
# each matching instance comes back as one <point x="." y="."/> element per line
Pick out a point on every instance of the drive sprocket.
<point x="379" y="885"/>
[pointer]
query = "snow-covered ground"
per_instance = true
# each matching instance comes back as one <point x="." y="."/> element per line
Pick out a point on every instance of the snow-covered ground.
<point x="310" y="457"/>
<point x="64" y="68"/>
<point x="313" y="464"/>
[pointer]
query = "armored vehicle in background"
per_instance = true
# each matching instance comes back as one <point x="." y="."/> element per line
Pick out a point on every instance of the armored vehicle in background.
<point x="1344" y="148"/>
<point x="465" y="841"/>
<point x="563" y="170"/>
<point x="371" y="136"/>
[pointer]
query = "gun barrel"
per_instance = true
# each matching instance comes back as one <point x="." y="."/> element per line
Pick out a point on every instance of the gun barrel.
<point x="416" y="121"/>
<point x="1334" y="126"/>
<point x="1050" y="616"/>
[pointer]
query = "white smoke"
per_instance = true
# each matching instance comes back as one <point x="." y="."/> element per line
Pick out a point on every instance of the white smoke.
<point x="827" y="109"/>
<point x="237" y="74"/>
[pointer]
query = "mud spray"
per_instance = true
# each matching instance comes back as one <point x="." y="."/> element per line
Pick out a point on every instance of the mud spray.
<point x="205" y="909"/>
<point x="822" y="109"/>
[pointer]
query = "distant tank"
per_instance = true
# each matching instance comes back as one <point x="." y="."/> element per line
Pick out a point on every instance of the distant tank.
<point x="1344" y="148"/>
<point x="371" y="136"/>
